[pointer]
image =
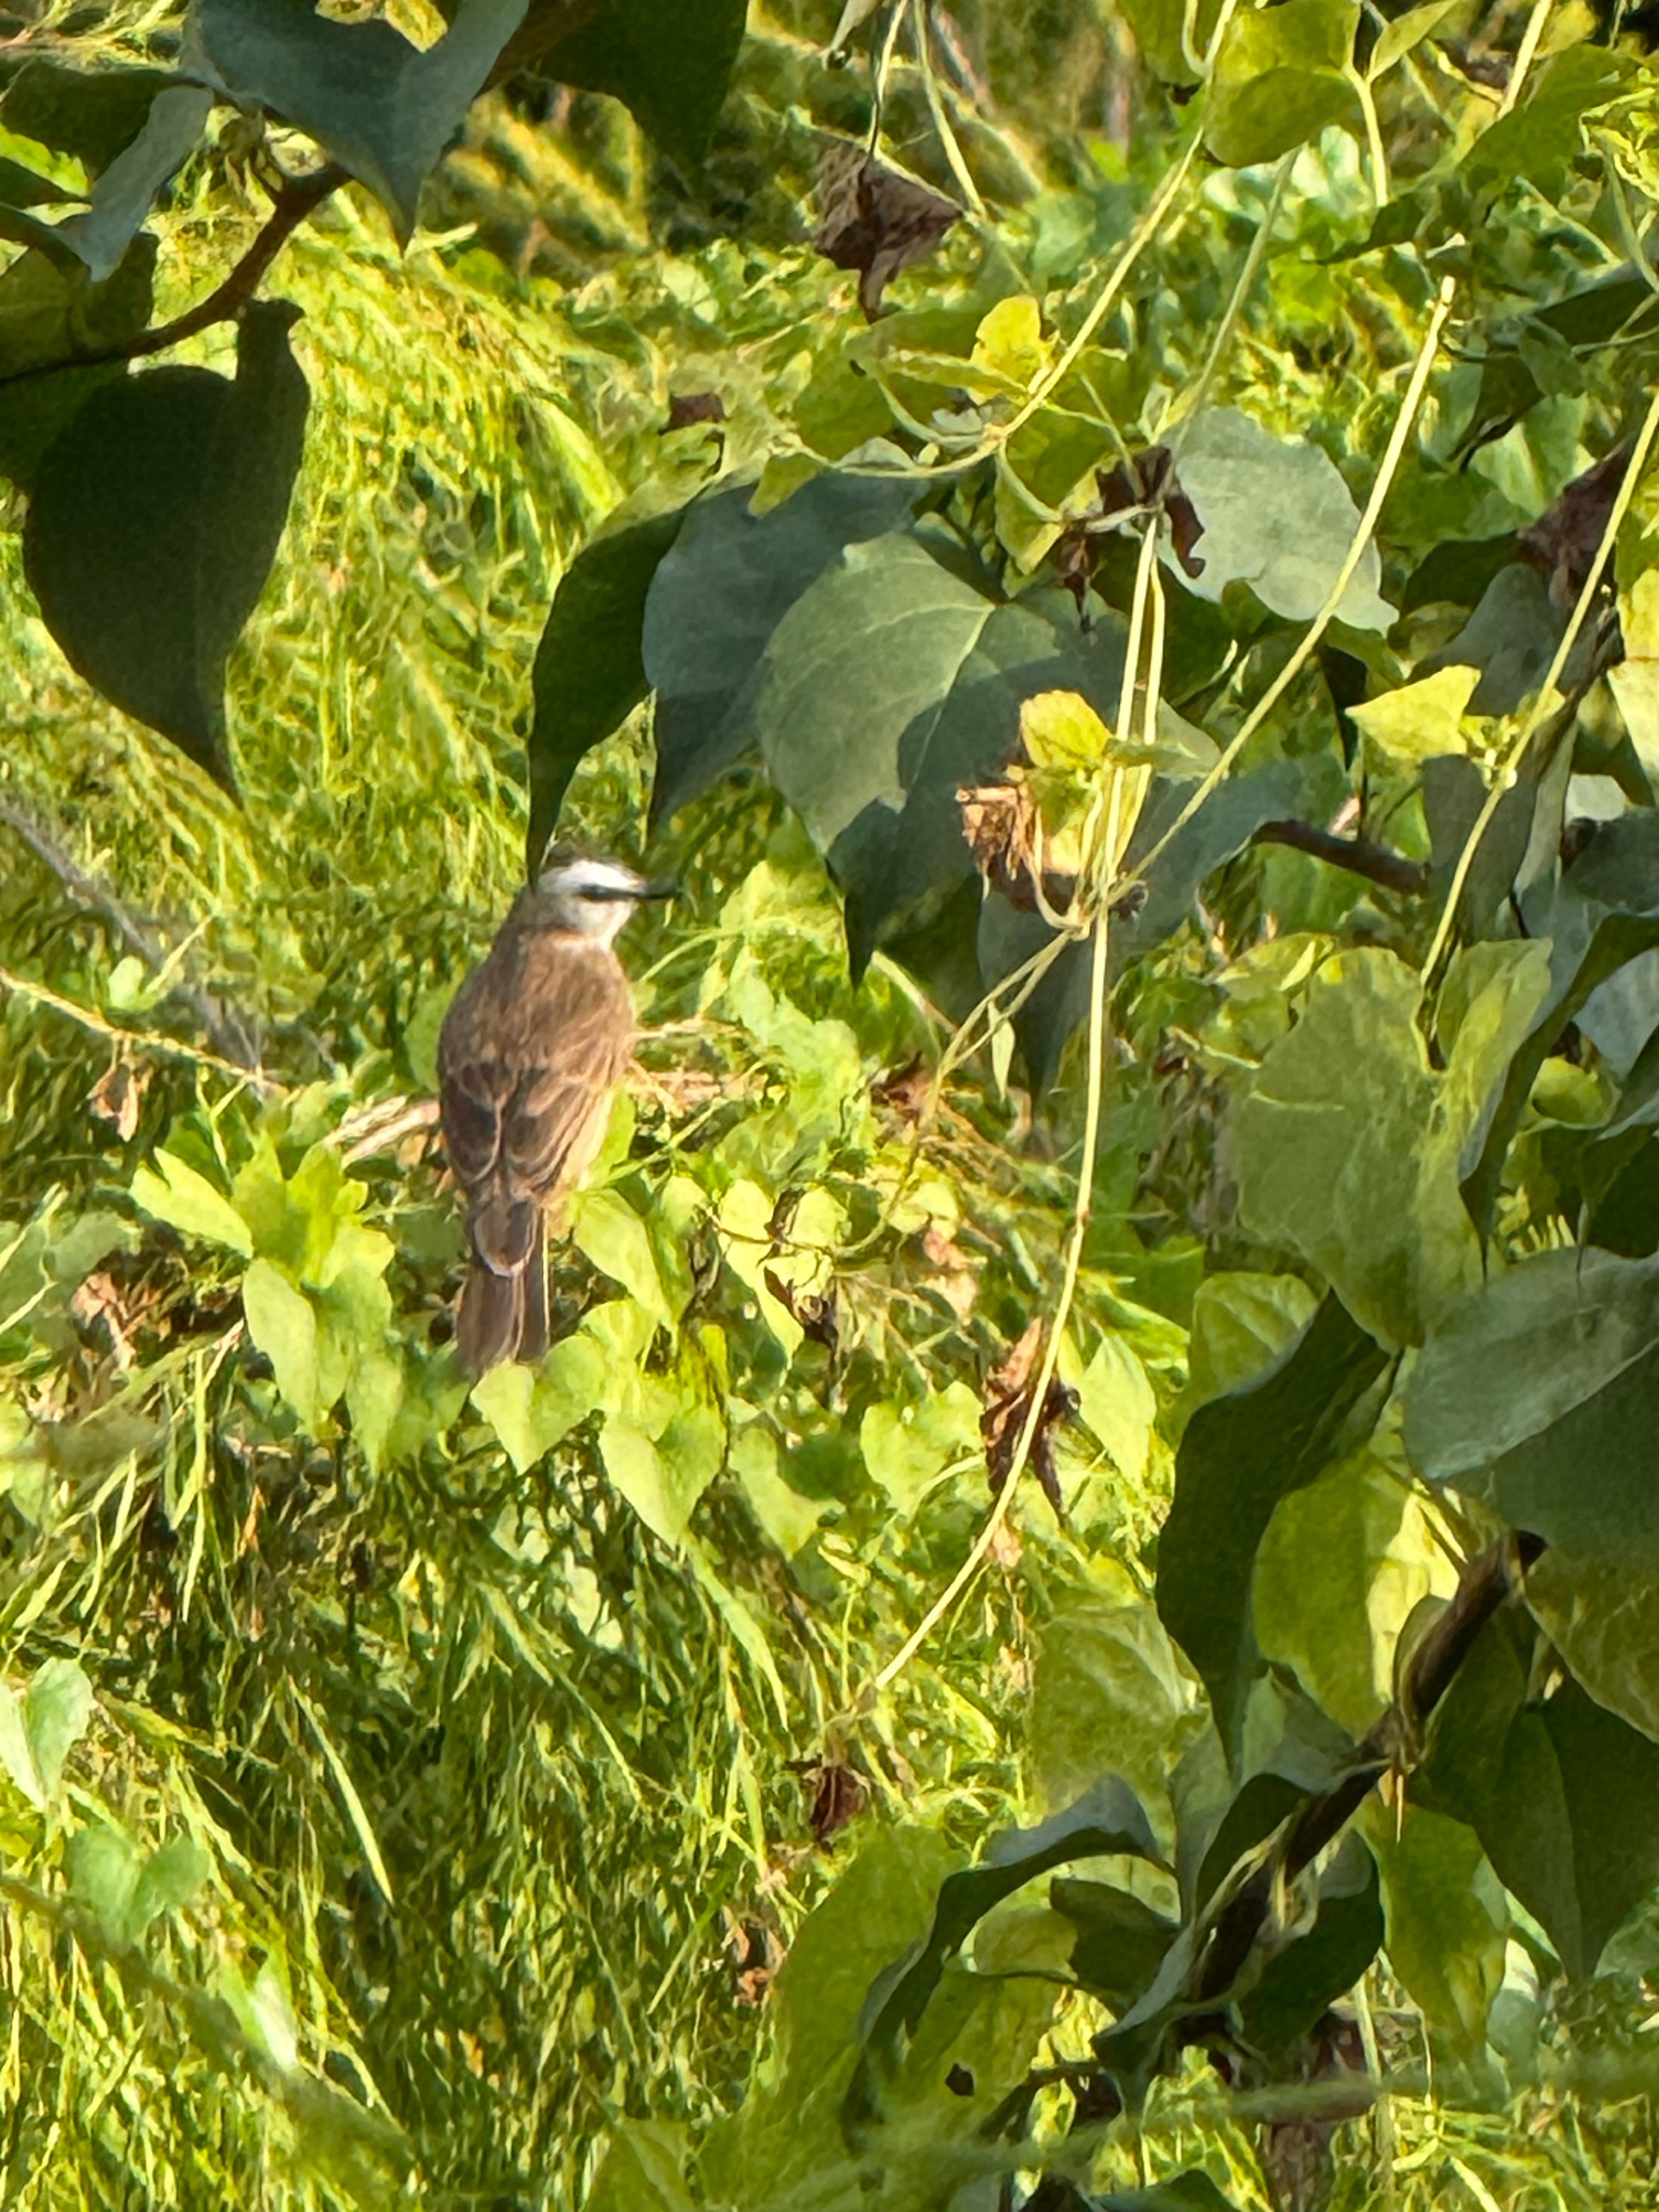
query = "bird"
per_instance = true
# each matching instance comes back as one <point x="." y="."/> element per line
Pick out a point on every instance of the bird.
<point x="531" y="1053"/>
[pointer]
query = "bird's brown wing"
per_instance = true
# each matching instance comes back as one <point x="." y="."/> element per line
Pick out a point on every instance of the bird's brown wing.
<point x="531" y="1053"/>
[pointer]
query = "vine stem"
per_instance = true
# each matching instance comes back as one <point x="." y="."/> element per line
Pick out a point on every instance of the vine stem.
<point x="1544" y="704"/>
<point x="1117" y="831"/>
<point x="1169" y="433"/>
<point x="1004" y="1498"/>
<point x="1526" y="54"/>
<point x="295" y="199"/>
<point x="1322" y="621"/>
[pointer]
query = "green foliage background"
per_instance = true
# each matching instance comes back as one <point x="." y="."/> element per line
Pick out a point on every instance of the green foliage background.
<point x="437" y="1761"/>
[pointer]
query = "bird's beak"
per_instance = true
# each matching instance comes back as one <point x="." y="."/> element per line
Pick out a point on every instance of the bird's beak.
<point x="661" y="887"/>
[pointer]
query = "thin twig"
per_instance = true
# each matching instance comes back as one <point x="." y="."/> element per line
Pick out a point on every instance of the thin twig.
<point x="1360" y="856"/>
<point x="1488" y="1582"/>
<point x="143" y="1040"/>
<point x="226" y="1033"/>
<point x="296" y="198"/>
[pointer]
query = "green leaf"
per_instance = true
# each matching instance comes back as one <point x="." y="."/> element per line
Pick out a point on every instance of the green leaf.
<point x="908" y="1446"/>
<point x="1601" y="915"/>
<point x="1276" y="513"/>
<point x="532" y="1409"/>
<point x="1400" y="35"/>
<point x="1240" y="1455"/>
<point x="282" y="1322"/>
<point x="1297" y="1984"/>
<point x="113" y="1879"/>
<point x="1349" y="1145"/>
<point x="1277" y="81"/>
<point x="787" y="2135"/>
<point x="888" y="685"/>
<point x="1341" y="1567"/>
<point x="589" y="674"/>
<point x="51" y="312"/>
<point x="1108" y="1692"/>
<point x="669" y="65"/>
<point x="1121" y="1941"/>
<point x="1563" y="1794"/>
<point x="723" y="588"/>
<point x="1188" y="2192"/>
<point x="1446" y="1916"/>
<point x="787" y="1519"/>
<point x="662" y="1479"/>
<point x="378" y="106"/>
<point x="1242" y="1323"/>
<point x="1539" y="1393"/>
<point x="605" y="1227"/>
<point x="93" y="114"/>
<point x="1597" y="1615"/>
<point x="39" y="1730"/>
<point x="643" y="2170"/>
<point x="1536" y="140"/>
<point x="1108" y="1821"/>
<point x="1407" y="726"/>
<point x="155" y="517"/>
<point x="57" y="1706"/>
<point x="1117" y="1403"/>
<point x="188" y="1202"/>
<point x="122" y="196"/>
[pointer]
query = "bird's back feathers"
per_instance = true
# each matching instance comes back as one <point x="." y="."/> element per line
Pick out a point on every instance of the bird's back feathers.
<point x="532" y="1049"/>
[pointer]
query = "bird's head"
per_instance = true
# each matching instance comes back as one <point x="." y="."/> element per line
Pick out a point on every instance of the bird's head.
<point x="589" y="896"/>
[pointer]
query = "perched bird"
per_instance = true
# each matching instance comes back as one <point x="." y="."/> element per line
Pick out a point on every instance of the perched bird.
<point x="531" y="1050"/>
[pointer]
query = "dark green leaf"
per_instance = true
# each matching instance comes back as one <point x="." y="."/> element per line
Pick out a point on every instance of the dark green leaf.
<point x="890" y="684"/>
<point x="1299" y="1984"/>
<point x="1539" y="1391"/>
<point x="589" y="673"/>
<point x="93" y="114"/>
<point x="50" y="315"/>
<point x="1188" y="2192"/>
<point x="668" y="63"/>
<point x="1121" y="1941"/>
<point x="155" y="517"/>
<point x="721" y="591"/>
<point x="1108" y="1821"/>
<point x="378" y="106"/>
<point x="1240" y="1455"/>
<point x="1348" y="1145"/>
<point x="1563" y="1794"/>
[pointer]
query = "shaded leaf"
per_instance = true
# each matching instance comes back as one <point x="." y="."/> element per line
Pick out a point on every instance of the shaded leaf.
<point x="1447" y="1920"/>
<point x="93" y="114"/>
<point x="724" y="584"/>
<point x="1540" y="1392"/>
<point x="669" y="65"/>
<point x="378" y="105"/>
<point x="1298" y="1983"/>
<point x="590" y="674"/>
<point x="1108" y="1820"/>
<point x="155" y="517"/>
<point x="122" y="196"/>
<point x="51" y="313"/>
<point x="1240" y="1455"/>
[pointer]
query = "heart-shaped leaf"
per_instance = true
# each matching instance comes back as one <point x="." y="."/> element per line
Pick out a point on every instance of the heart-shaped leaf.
<point x="378" y="106"/>
<point x="155" y="517"/>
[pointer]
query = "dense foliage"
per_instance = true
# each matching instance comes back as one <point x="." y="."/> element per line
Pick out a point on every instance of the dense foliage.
<point x="1073" y="1618"/>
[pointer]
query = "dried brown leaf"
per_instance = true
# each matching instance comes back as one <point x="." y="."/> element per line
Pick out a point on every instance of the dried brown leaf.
<point x="874" y="220"/>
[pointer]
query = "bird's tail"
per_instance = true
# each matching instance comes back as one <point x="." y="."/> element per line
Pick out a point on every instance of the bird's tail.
<point x="503" y="1313"/>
